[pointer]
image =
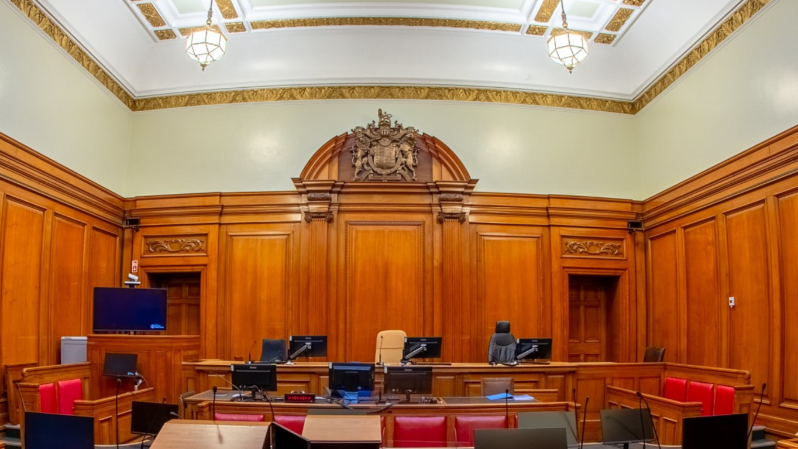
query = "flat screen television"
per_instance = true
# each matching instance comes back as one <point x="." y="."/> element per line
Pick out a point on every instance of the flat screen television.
<point x="129" y="309"/>
<point x="48" y="431"/>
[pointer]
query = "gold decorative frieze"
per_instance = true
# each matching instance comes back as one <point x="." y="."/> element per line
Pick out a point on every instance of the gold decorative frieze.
<point x="604" y="38"/>
<point x="165" y="35"/>
<point x="227" y="9"/>
<point x="235" y="27"/>
<point x="536" y="30"/>
<point x="585" y="34"/>
<point x="151" y="14"/>
<point x="182" y="245"/>
<point x="385" y="21"/>
<point x="186" y="31"/>
<point x="546" y="10"/>
<point x="634" y="2"/>
<point x="619" y="19"/>
<point x="592" y="248"/>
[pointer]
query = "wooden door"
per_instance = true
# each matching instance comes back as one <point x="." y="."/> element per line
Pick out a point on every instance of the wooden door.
<point x="587" y="322"/>
<point x="182" y="302"/>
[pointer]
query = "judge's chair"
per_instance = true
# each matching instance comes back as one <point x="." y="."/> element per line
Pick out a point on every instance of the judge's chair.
<point x="501" y="348"/>
<point x="390" y="345"/>
<point x="654" y="354"/>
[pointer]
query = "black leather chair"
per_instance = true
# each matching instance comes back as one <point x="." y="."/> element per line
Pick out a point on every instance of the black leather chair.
<point x="654" y="354"/>
<point x="273" y="351"/>
<point x="501" y="348"/>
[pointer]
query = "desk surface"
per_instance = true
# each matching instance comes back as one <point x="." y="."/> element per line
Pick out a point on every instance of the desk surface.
<point x="180" y="434"/>
<point x="365" y="429"/>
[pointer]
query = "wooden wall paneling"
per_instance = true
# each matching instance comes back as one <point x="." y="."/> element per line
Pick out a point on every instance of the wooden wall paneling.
<point x="703" y="305"/>
<point x="787" y="205"/>
<point x="750" y="285"/>
<point x="773" y="315"/>
<point x="663" y="290"/>
<point x="104" y="267"/>
<point x="457" y="338"/>
<point x="68" y="278"/>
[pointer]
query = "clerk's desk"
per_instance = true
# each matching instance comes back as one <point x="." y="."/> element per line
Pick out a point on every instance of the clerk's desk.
<point x="181" y="434"/>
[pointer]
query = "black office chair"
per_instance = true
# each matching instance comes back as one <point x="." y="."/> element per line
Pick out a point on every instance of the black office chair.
<point x="654" y="354"/>
<point x="502" y="345"/>
<point x="273" y="351"/>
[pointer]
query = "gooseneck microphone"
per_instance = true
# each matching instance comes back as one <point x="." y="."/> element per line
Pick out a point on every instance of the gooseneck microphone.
<point x="213" y="404"/>
<point x="576" y="414"/>
<point x="642" y="424"/>
<point x="380" y="362"/>
<point x="249" y="353"/>
<point x="653" y="427"/>
<point x="761" y="397"/>
<point x="584" y="420"/>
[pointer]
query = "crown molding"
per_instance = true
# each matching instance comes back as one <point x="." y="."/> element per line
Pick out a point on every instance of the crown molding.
<point x="748" y="9"/>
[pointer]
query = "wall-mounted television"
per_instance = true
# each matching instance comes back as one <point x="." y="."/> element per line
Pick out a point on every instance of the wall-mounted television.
<point x="129" y="309"/>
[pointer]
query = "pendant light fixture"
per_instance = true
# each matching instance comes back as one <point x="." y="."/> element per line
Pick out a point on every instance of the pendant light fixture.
<point x="567" y="48"/>
<point x="207" y="45"/>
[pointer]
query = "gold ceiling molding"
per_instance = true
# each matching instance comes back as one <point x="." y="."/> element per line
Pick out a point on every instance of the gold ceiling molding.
<point x="62" y="39"/>
<point x="546" y="10"/>
<point x="235" y="27"/>
<point x="737" y="19"/>
<point x="186" y="31"/>
<point x="151" y="14"/>
<point x="165" y="34"/>
<point x="604" y="38"/>
<point x="227" y="9"/>
<point x="385" y="92"/>
<point x="386" y="21"/>
<point x="586" y="34"/>
<point x="536" y="30"/>
<point x="619" y="19"/>
<point x="634" y="2"/>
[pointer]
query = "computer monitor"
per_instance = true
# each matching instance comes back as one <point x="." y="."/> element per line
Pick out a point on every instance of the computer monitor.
<point x="533" y="349"/>
<point x="408" y="380"/>
<point x="726" y="431"/>
<point x="120" y="365"/>
<point x="307" y="346"/>
<point x="421" y="348"/>
<point x="520" y="439"/>
<point x="625" y="426"/>
<point x="255" y="376"/>
<point x="352" y="377"/>
<point x="48" y="431"/>
<point x="551" y="420"/>
<point x="129" y="309"/>
<point x="147" y="418"/>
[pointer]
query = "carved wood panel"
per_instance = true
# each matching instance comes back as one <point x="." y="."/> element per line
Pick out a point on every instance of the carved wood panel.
<point x="704" y="302"/>
<point x="67" y="300"/>
<point x="788" y="238"/>
<point x="663" y="318"/>
<point x="159" y="246"/>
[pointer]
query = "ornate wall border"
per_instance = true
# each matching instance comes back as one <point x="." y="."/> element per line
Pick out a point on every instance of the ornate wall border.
<point x="715" y="38"/>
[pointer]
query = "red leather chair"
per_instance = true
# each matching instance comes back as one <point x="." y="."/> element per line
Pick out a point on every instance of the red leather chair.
<point x="69" y="391"/>
<point x="49" y="403"/>
<point x="701" y="392"/>
<point x="427" y="431"/>
<point x="724" y="400"/>
<point x="464" y="426"/>
<point x="675" y="389"/>
<point x="238" y="417"/>
<point x="294" y="423"/>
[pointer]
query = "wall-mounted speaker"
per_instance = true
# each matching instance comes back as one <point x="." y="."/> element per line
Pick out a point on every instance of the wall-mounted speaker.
<point x="132" y="223"/>
<point x="634" y="225"/>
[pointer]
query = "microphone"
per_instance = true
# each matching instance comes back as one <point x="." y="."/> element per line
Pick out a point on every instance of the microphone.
<point x="584" y="420"/>
<point x="642" y="424"/>
<point x="152" y="421"/>
<point x="213" y="404"/>
<point x="576" y="415"/>
<point x="653" y="427"/>
<point x="507" y="408"/>
<point x="249" y="353"/>
<point x="240" y="394"/>
<point x="174" y="415"/>
<point x="116" y="409"/>
<point x="380" y="362"/>
<point x="761" y="396"/>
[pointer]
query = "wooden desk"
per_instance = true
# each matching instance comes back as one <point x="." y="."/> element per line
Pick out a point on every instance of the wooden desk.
<point x="181" y="434"/>
<point x="334" y="429"/>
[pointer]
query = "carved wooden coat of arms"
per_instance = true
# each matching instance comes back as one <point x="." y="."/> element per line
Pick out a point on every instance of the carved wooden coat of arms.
<point x="383" y="152"/>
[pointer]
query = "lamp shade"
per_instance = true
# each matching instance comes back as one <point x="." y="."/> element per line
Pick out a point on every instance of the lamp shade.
<point x="568" y="49"/>
<point x="206" y="46"/>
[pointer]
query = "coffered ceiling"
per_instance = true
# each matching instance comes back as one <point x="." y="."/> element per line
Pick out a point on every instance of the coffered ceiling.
<point x="471" y="45"/>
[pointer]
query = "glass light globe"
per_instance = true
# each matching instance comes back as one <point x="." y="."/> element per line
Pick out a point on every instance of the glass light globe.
<point x="206" y="46"/>
<point x="568" y="49"/>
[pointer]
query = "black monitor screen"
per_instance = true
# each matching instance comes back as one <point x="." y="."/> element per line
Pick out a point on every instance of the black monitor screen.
<point x="129" y="309"/>
<point x="624" y="426"/>
<point x="520" y="439"/>
<point x="726" y="431"/>
<point x="259" y="375"/>
<point x="431" y="348"/>
<point x="49" y="431"/>
<point x="550" y="420"/>
<point x="408" y="379"/>
<point x="309" y="345"/>
<point x="120" y="365"/>
<point x="149" y="417"/>
<point x="533" y="349"/>
<point x="352" y="376"/>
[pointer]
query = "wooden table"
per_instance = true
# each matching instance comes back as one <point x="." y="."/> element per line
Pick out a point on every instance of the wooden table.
<point x="181" y="434"/>
<point x="335" y="429"/>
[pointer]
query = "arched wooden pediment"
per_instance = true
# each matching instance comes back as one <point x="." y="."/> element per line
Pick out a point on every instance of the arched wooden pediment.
<point x="336" y="159"/>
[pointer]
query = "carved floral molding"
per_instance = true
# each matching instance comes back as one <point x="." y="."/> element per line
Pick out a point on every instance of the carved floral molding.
<point x="592" y="248"/>
<point x="185" y="245"/>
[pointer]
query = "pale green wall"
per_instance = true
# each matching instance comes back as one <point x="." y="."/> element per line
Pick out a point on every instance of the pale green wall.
<point x="56" y="108"/>
<point x="262" y="146"/>
<point x="740" y="96"/>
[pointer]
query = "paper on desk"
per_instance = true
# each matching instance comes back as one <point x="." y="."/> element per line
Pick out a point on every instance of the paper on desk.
<point x="503" y="396"/>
